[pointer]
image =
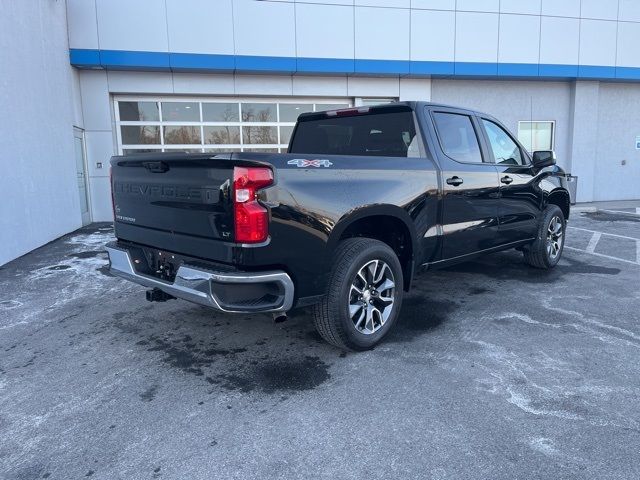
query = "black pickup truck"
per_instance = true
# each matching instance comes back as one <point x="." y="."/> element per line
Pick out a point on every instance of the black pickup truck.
<point x="361" y="200"/>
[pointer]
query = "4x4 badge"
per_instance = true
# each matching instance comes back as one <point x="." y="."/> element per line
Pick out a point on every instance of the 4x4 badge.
<point x="303" y="163"/>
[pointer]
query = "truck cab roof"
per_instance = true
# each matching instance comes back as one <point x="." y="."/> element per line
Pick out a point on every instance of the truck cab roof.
<point x="392" y="106"/>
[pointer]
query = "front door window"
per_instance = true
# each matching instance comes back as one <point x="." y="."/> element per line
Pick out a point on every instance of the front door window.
<point x="505" y="150"/>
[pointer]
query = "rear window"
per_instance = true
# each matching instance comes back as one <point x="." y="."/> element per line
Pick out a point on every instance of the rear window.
<point x="458" y="137"/>
<point x="381" y="134"/>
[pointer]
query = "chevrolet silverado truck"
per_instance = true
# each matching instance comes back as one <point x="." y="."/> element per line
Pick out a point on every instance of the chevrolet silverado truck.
<point x="362" y="199"/>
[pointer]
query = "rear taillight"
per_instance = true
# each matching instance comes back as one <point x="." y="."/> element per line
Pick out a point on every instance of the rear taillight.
<point x="251" y="218"/>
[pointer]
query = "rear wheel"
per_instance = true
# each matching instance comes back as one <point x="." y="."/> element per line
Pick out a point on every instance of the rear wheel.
<point x="546" y="250"/>
<point x="364" y="295"/>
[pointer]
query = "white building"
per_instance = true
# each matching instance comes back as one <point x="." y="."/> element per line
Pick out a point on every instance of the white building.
<point x="85" y="79"/>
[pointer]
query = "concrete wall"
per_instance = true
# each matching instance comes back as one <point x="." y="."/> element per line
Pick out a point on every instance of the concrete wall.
<point x="617" y="165"/>
<point x="549" y="38"/>
<point x="513" y="101"/>
<point x="583" y="136"/>
<point x="39" y="105"/>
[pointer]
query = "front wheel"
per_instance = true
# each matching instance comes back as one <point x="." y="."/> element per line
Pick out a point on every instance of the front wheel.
<point x="364" y="295"/>
<point x="546" y="250"/>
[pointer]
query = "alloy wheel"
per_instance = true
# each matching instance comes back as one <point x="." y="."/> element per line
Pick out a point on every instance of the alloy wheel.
<point x="371" y="297"/>
<point x="554" y="237"/>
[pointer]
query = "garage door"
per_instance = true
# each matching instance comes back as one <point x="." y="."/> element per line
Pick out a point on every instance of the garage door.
<point x="210" y="124"/>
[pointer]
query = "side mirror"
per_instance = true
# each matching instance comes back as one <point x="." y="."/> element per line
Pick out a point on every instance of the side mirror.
<point x="544" y="158"/>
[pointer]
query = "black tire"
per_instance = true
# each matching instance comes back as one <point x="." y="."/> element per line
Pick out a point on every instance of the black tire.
<point x="331" y="316"/>
<point x="538" y="254"/>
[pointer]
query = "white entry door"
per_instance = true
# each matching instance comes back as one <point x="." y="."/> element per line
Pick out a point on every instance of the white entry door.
<point x="81" y="174"/>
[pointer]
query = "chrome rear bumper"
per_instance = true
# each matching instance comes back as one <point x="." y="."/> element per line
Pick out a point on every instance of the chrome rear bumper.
<point x="210" y="288"/>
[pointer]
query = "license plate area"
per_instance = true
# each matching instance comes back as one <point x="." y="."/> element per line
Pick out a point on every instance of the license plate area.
<point x="162" y="264"/>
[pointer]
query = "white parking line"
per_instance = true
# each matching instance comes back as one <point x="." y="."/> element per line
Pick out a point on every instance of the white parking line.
<point x="601" y="233"/>
<point x="593" y="242"/>
<point x="602" y="255"/>
<point x="595" y="238"/>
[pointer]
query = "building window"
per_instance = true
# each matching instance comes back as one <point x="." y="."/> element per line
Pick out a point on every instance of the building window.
<point x="368" y="102"/>
<point x="538" y="135"/>
<point x="210" y="124"/>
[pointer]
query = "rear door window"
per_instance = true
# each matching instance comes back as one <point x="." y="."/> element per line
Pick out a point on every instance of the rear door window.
<point x="385" y="134"/>
<point x="457" y="137"/>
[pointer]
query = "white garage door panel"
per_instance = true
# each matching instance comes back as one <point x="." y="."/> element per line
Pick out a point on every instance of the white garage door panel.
<point x="217" y="124"/>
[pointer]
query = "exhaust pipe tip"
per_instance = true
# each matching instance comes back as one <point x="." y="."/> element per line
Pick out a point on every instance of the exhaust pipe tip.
<point x="280" y="317"/>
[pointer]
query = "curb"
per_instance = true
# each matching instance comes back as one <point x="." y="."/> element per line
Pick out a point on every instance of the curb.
<point x="584" y="209"/>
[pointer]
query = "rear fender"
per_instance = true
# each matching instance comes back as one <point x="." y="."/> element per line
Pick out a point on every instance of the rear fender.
<point x="394" y="212"/>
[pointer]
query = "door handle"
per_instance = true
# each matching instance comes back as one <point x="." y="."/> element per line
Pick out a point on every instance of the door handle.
<point x="455" y="181"/>
<point x="506" y="179"/>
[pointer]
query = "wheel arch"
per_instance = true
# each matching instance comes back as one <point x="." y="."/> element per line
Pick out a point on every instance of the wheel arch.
<point x="387" y="223"/>
<point x="562" y="199"/>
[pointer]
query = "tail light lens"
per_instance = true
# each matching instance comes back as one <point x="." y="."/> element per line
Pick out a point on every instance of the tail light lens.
<point x="251" y="218"/>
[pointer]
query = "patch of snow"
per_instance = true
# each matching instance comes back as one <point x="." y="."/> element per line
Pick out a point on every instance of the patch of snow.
<point x="544" y="445"/>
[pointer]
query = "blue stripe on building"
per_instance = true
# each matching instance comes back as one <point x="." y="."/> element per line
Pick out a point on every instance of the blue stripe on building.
<point x="180" y="62"/>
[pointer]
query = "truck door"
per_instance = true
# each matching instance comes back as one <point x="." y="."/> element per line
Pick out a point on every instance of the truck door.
<point x="470" y="185"/>
<point x="519" y="192"/>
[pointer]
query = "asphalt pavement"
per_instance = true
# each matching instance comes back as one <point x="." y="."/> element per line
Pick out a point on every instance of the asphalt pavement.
<point x="496" y="370"/>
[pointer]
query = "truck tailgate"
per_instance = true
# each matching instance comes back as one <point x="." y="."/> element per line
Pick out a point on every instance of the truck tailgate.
<point x="179" y="194"/>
